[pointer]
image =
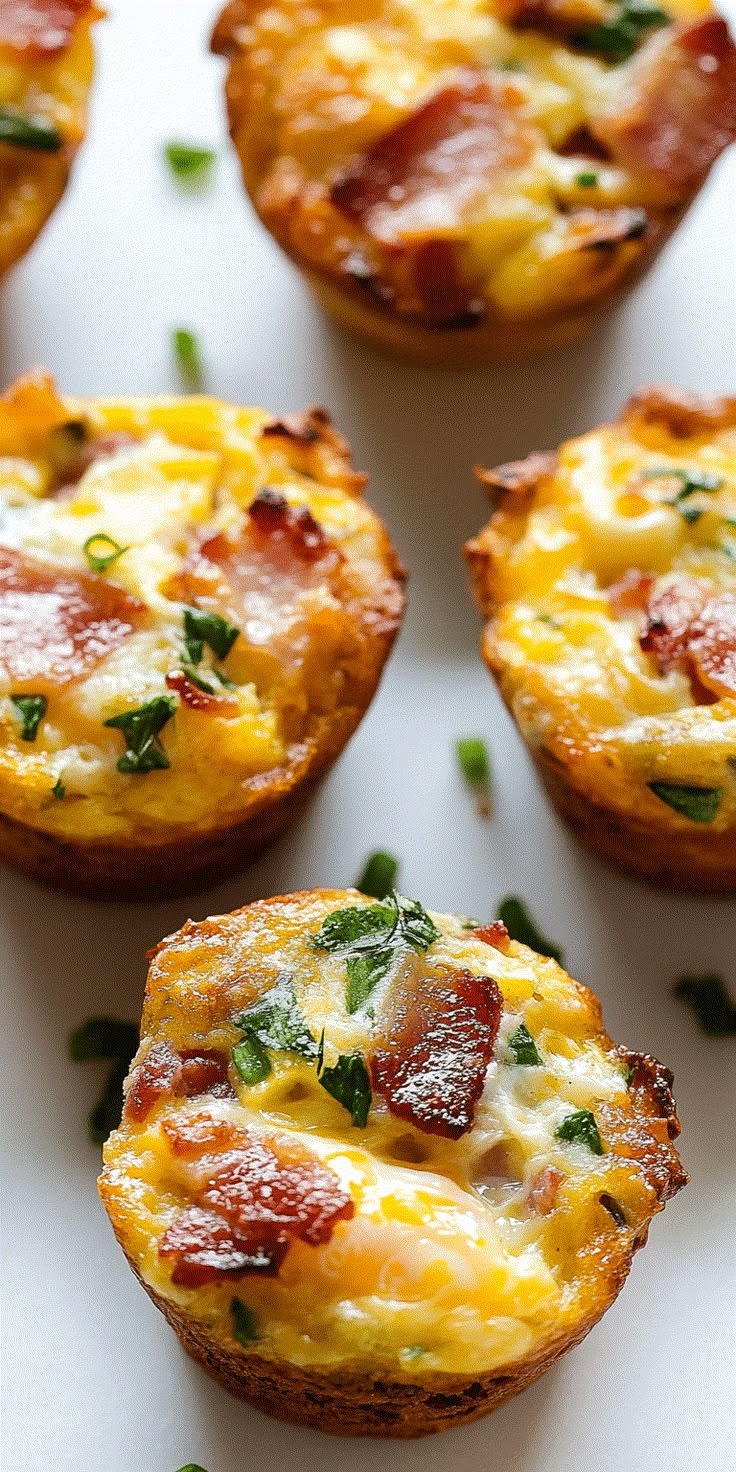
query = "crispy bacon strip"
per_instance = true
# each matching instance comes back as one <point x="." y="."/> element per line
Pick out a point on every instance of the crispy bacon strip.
<point x="689" y="630"/>
<point x="631" y="593"/>
<point x="164" y="1074"/>
<point x="251" y="1199"/>
<point x="430" y="1061"/>
<point x="678" y="110"/>
<point x="436" y="161"/>
<point x="494" y="934"/>
<point x="40" y="28"/>
<point x="294" y="526"/>
<point x="57" y="625"/>
<point x="197" y="699"/>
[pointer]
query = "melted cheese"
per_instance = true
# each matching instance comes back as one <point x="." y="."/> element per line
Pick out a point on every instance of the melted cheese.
<point x="197" y="466"/>
<point x="574" y="674"/>
<point x="446" y="1265"/>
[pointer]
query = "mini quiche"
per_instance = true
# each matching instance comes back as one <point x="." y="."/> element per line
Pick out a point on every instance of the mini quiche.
<point x="195" y="609"/>
<point x="46" y="66"/>
<point x="461" y="179"/>
<point x="379" y="1168"/>
<point x="607" y="575"/>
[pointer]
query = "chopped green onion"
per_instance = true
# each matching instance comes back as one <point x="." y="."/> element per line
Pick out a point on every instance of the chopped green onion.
<point x="617" y="38"/>
<point x="189" y="163"/>
<point x="472" y="755"/>
<point x="31" y="709"/>
<point x="580" y="1128"/>
<point x="99" y="561"/>
<point x="58" y="789"/>
<point x="192" y="1467"/>
<point x="691" y="481"/>
<point x="522" y="1045"/>
<point x="379" y="875"/>
<point x="710" y="1002"/>
<point x="27" y="132"/>
<point x="251" y="1059"/>
<point x="515" y="916"/>
<point x="347" y="1081"/>
<point x="245" y="1323"/>
<point x="699" y="804"/>
<point x="105" y="1038"/>
<point x="277" y="1022"/>
<point x="371" y="937"/>
<point x="586" y="180"/>
<point x="140" y="728"/>
<point x="188" y="359"/>
<point x="202" y="626"/>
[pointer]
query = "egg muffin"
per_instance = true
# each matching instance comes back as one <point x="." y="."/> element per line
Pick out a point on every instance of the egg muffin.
<point x="380" y="1168"/>
<point x="461" y="179"/>
<point x="46" y="65"/>
<point x="607" y="575"/>
<point x="195" y="609"/>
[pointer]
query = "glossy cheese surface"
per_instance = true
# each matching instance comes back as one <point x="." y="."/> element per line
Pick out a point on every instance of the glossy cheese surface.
<point x="609" y="582"/>
<point x="458" y="1255"/>
<point x="218" y="508"/>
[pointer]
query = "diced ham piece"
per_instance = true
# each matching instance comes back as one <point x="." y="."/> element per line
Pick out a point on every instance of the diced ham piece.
<point x="164" y="1074"/>
<point x="293" y="526"/>
<point x="430" y="1058"/>
<point x="39" y="27"/>
<point x="422" y="175"/>
<point x="677" y="109"/>
<point x="543" y="1190"/>
<point x="690" y="630"/>
<point x="57" y="625"/>
<point x="252" y="1196"/>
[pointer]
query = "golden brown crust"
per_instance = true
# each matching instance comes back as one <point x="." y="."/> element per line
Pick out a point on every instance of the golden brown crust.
<point x="683" y="413"/>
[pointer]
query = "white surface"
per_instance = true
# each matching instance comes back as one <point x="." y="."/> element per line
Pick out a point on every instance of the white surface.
<point x="93" y="1378"/>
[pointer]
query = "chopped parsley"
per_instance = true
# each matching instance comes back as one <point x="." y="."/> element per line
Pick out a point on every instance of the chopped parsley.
<point x="244" y="1321"/>
<point x="58" y="789"/>
<point x="201" y="627"/>
<point x="475" y="765"/>
<point x="276" y="1022"/>
<point x="188" y="359"/>
<point x="26" y="132"/>
<point x="699" y="804"/>
<point x="617" y="38"/>
<point x="378" y="876"/>
<point x="251" y="1059"/>
<point x="710" y="1002"/>
<point x="347" y="1081"/>
<point x="691" y="514"/>
<point x="105" y="1038"/>
<point x="101" y="551"/>
<point x="371" y="938"/>
<point x="522" y="1045"/>
<point x="31" y="709"/>
<point x="189" y="163"/>
<point x="586" y="180"/>
<point x="515" y="916"/>
<point x="691" y="481"/>
<point x="580" y="1128"/>
<point x="140" y="728"/>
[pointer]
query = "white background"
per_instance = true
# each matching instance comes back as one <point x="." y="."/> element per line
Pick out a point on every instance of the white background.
<point x="93" y="1380"/>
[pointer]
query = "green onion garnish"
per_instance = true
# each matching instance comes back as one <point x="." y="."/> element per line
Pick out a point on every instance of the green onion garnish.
<point x="586" y="180"/>
<point x="472" y="754"/>
<point x="188" y="359"/>
<point x="26" y="132"/>
<point x="31" y="709"/>
<point x="189" y="163"/>
<point x="379" y="875"/>
<point x="101" y="551"/>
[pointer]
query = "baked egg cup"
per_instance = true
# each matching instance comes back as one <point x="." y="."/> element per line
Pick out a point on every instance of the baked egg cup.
<point x="380" y="1168"/>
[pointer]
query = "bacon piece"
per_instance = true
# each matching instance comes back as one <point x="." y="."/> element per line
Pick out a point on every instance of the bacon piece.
<point x="41" y="28"/>
<point x="543" y="1190"/>
<point x="275" y="519"/>
<point x="57" y="625"/>
<point x="152" y="1081"/>
<point x="671" y="611"/>
<point x="678" y="109"/>
<point x="519" y="475"/>
<point x="251" y="1200"/>
<point x="197" y="699"/>
<point x="689" y="630"/>
<point x="445" y="297"/>
<point x="166" y="1074"/>
<point x="713" y="645"/>
<point x="88" y="454"/>
<point x="438" y="160"/>
<point x="631" y="593"/>
<point x="430" y="1062"/>
<point x="495" y="934"/>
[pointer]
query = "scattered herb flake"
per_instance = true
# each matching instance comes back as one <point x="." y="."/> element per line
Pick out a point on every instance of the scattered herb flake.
<point x="58" y="789"/>
<point x="251" y="1059"/>
<point x="515" y="916"/>
<point x="617" y="38"/>
<point x="31" y="709"/>
<point x="378" y="876"/>
<point x="105" y="1038"/>
<point x="348" y="1082"/>
<point x="195" y="678"/>
<point x="189" y="162"/>
<point x="202" y="626"/>
<point x="472" y="755"/>
<point x="245" y="1323"/>
<point x="140" y="728"/>
<point x="710" y="1002"/>
<point x="580" y="1128"/>
<point x="277" y="1022"/>
<point x="413" y="1351"/>
<point x="691" y="514"/>
<point x="188" y="359"/>
<point x="192" y="1467"/>
<point x="371" y="937"/>
<point x="364" y="972"/>
<point x="586" y="180"/>
<point x="699" y="804"/>
<point x="100" y="560"/>
<point x="691" y="481"/>
<point x="27" y="132"/>
<point x="524" y="1048"/>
